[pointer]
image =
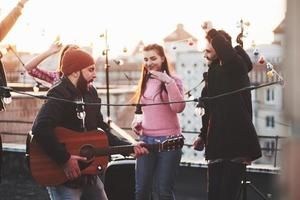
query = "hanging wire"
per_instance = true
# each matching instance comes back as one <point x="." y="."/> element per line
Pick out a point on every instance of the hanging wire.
<point x="44" y="97"/>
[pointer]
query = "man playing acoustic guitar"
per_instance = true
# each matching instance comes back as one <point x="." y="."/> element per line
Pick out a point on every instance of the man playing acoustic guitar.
<point x="79" y="71"/>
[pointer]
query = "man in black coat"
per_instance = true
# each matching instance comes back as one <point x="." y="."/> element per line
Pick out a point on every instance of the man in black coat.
<point x="232" y="141"/>
<point x="79" y="71"/>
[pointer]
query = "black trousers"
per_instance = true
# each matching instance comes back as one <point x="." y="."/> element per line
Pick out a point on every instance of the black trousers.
<point x="224" y="180"/>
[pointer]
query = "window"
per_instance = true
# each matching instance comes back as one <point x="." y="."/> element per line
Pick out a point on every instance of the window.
<point x="269" y="148"/>
<point x="270" y="95"/>
<point x="270" y="121"/>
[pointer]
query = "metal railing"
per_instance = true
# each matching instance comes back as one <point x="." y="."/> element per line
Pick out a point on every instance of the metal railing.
<point x="274" y="149"/>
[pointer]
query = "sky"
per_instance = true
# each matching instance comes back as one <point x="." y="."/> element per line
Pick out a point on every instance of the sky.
<point x="127" y="22"/>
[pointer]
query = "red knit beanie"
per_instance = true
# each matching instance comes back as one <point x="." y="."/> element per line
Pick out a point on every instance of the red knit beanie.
<point x="75" y="60"/>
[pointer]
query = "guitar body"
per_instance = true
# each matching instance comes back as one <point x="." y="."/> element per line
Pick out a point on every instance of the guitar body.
<point x="47" y="173"/>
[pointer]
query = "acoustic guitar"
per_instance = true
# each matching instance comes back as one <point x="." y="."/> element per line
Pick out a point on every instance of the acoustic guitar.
<point x="93" y="145"/>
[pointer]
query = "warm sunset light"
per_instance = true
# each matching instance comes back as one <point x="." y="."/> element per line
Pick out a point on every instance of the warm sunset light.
<point x="127" y="22"/>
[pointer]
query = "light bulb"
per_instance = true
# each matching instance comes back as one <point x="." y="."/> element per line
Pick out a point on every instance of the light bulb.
<point x="80" y="111"/>
<point x="270" y="73"/>
<point x="253" y="44"/>
<point x="247" y="23"/>
<point x="36" y="88"/>
<point x="138" y="119"/>
<point x="261" y="60"/>
<point x="255" y="52"/>
<point x="7" y="100"/>
<point x="200" y="111"/>
<point x="81" y="115"/>
<point x="118" y="62"/>
<point x="190" y="42"/>
<point x="191" y="97"/>
<point x="269" y="66"/>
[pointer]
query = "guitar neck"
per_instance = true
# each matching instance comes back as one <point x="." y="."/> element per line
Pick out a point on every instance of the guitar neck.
<point x="126" y="149"/>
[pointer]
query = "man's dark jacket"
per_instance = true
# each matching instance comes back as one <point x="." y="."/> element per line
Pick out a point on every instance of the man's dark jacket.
<point x="55" y="113"/>
<point x="231" y="133"/>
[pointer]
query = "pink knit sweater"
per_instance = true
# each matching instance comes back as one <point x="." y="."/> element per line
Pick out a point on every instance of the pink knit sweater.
<point x="162" y="120"/>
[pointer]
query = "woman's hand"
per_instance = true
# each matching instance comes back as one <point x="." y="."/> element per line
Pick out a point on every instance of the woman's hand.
<point x="162" y="76"/>
<point x="55" y="48"/>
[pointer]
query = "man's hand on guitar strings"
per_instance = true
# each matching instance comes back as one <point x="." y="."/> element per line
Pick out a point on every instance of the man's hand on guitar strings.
<point x="71" y="167"/>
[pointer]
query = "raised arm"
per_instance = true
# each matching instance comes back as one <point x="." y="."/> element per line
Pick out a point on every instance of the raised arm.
<point x="32" y="64"/>
<point x="8" y="22"/>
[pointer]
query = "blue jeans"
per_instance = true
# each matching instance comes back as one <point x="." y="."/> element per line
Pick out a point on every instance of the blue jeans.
<point x="88" y="192"/>
<point x="156" y="169"/>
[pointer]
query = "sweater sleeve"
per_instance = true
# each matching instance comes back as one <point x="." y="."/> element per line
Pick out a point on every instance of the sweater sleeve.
<point x="47" y="119"/>
<point x="175" y="93"/>
<point x="48" y="76"/>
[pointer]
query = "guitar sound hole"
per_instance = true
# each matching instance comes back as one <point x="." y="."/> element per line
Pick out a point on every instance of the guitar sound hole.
<point x="87" y="151"/>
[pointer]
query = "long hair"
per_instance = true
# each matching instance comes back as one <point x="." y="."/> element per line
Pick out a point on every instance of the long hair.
<point x="145" y="75"/>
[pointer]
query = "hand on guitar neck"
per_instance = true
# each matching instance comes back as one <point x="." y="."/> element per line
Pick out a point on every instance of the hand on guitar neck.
<point x="139" y="150"/>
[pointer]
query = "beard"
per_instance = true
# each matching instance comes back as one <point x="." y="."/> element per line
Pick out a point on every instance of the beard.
<point x="82" y="85"/>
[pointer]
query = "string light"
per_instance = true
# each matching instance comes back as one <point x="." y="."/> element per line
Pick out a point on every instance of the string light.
<point x="36" y="87"/>
<point x="138" y="118"/>
<point x="5" y="94"/>
<point x="270" y="68"/>
<point x="81" y="114"/>
<point x="261" y="60"/>
<point x="190" y="96"/>
<point x="118" y="62"/>
<point x="44" y="97"/>
<point x="253" y="44"/>
<point x="199" y="110"/>
<point x="255" y="52"/>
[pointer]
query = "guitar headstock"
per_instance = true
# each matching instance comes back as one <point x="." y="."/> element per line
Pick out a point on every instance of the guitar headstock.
<point x="172" y="143"/>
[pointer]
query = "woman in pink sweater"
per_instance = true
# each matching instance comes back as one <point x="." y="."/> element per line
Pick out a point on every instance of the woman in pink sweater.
<point x="159" y="122"/>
